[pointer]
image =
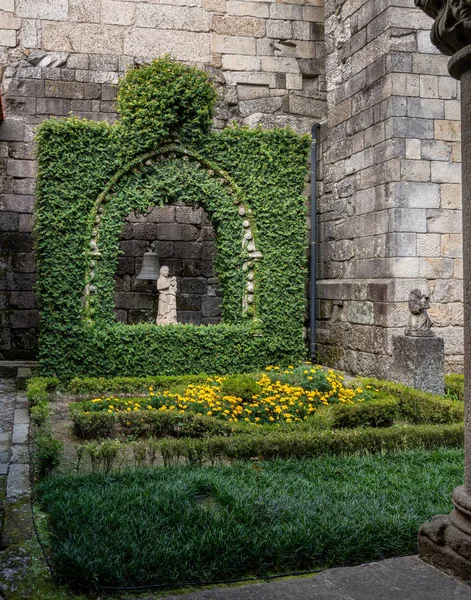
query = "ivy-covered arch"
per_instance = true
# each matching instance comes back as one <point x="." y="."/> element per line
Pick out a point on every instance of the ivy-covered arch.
<point x="166" y="176"/>
<point x="92" y="174"/>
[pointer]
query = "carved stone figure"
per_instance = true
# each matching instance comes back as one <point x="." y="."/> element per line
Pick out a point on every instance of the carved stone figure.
<point x="167" y="288"/>
<point x="419" y="321"/>
<point x="452" y="28"/>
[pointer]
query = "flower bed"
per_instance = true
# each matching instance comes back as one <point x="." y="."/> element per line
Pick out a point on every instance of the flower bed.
<point x="277" y="401"/>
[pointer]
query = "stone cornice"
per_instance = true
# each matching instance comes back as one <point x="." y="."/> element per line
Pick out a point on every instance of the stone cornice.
<point x="452" y="28"/>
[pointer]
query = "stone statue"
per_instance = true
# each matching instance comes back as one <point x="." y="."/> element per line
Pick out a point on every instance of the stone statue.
<point x="167" y="288"/>
<point x="419" y="321"/>
<point x="452" y="28"/>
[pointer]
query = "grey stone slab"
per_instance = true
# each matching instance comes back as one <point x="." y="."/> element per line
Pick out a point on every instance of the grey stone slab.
<point x="19" y="454"/>
<point x="21" y="416"/>
<point x="3" y="468"/>
<point x="406" y="578"/>
<point x="5" y="437"/>
<point x="20" y="434"/>
<point x="18" y="483"/>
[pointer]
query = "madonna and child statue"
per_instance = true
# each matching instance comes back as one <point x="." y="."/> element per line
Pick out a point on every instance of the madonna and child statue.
<point x="167" y="288"/>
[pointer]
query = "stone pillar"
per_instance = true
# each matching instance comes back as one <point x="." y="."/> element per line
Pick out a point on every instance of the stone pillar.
<point x="446" y="540"/>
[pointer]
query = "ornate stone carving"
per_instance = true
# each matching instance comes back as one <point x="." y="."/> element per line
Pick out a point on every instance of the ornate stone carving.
<point x="167" y="288"/>
<point x="452" y="28"/>
<point x="419" y="321"/>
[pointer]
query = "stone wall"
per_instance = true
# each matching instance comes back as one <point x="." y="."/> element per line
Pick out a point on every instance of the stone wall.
<point x="59" y="57"/>
<point x="390" y="218"/>
<point x="183" y="238"/>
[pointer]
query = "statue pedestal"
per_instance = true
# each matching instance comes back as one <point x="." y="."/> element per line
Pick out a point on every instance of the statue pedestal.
<point x="445" y="541"/>
<point x="418" y="361"/>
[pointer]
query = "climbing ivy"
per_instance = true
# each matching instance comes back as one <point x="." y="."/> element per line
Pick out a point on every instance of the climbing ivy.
<point x="91" y="175"/>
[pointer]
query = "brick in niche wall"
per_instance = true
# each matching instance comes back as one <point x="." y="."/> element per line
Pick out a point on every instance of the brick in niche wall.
<point x="183" y="238"/>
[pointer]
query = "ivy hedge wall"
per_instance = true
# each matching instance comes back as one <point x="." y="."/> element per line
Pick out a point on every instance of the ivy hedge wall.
<point x="92" y="175"/>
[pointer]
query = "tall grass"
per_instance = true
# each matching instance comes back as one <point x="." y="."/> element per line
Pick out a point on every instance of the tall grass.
<point x="202" y="523"/>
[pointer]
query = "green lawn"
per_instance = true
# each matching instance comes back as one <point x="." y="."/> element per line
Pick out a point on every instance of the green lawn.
<point x="202" y="523"/>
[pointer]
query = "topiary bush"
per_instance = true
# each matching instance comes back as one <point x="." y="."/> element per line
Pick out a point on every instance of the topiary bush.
<point x="92" y="175"/>
<point x="241" y="386"/>
<point x="178" y="99"/>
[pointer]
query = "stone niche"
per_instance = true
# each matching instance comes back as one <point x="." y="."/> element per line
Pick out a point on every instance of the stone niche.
<point x="185" y="242"/>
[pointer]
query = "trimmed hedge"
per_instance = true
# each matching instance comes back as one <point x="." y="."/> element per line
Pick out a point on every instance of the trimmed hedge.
<point x="145" y="423"/>
<point x="298" y="444"/>
<point x="90" y="386"/>
<point x="92" y="175"/>
<point x="454" y="385"/>
<point x="416" y="406"/>
<point x="378" y="413"/>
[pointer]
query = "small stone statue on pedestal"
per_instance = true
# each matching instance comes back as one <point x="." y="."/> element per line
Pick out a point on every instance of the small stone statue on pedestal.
<point x="419" y="322"/>
<point x="167" y="288"/>
<point x="419" y="356"/>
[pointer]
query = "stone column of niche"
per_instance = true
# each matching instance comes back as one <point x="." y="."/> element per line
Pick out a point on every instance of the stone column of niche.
<point x="446" y="540"/>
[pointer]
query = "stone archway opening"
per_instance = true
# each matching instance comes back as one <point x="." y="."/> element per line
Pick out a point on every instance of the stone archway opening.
<point x="184" y="240"/>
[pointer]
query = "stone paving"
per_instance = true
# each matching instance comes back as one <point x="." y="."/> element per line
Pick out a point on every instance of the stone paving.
<point x="405" y="578"/>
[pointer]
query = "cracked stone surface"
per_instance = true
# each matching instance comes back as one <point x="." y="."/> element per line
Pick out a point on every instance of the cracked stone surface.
<point x="406" y="578"/>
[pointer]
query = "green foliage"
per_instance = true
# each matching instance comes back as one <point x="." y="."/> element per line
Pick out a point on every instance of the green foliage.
<point x="240" y="386"/>
<point x="454" y="386"/>
<point x="144" y="423"/>
<point x="91" y="386"/>
<point x="309" y="444"/>
<point x="47" y="452"/>
<point x="416" y="406"/>
<point x="143" y="527"/>
<point x="88" y="426"/>
<point x="178" y="100"/>
<point x="102" y="454"/>
<point x="87" y="167"/>
<point x="380" y="413"/>
<point x="40" y="389"/>
<point x="39" y="414"/>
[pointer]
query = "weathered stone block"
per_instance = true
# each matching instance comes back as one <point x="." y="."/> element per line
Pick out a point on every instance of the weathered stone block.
<point x="12" y="130"/>
<point x="235" y="62"/>
<point x="288" y="12"/>
<point x="446" y="172"/>
<point x="188" y="215"/>
<point x="24" y="319"/>
<point x="192" y="317"/>
<point x="172" y="17"/>
<point x="17" y="203"/>
<point x="53" y="106"/>
<point x="145" y="231"/>
<point x="409" y="194"/>
<point x="444" y="221"/>
<point x="9" y="221"/>
<point x="447" y="130"/>
<point x="418" y="362"/>
<point x="429" y="244"/>
<point x="193" y="285"/>
<point x="188" y="250"/>
<point x="225" y="44"/>
<point x="42" y="9"/>
<point x="249" y="9"/>
<point x="191" y="268"/>
<point x="161" y="214"/>
<point x="236" y="26"/>
<point x="90" y="38"/>
<point x="169" y="231"/>
<point x="211" y="307"/>
<point x="263" y="105"/>
<point x="117" y="13"/>
<point x="450" y="196"/>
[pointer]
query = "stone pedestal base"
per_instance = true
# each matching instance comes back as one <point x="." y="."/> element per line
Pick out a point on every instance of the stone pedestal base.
<point x="445" y="542"/>
<point x="418" y="362"/>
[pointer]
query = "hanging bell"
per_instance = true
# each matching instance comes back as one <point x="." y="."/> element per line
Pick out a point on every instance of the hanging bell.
<point x="150" y="266"/>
